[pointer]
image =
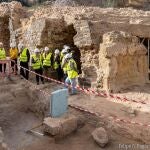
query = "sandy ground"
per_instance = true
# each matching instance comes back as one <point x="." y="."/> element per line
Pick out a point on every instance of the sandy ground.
<point x="15" y="119"/>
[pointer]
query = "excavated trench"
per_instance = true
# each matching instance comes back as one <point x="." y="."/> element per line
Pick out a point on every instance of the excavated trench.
<point x="23" y="107"/>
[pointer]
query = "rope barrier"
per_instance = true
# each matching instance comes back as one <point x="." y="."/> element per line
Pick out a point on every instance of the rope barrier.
<point x="115" y="118"/>
<point x="109" y="117"/>
<point x="90" y="91"/>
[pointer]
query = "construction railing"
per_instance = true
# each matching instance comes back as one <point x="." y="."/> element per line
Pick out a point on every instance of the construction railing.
<point x="5" y="68"/>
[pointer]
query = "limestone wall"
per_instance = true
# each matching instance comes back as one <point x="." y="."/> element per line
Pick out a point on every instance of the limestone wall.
<point x="45" y="32"/>
<point x="4" y="31"/>
<point x="83" y="29"/>
<point x="122" y="61"/>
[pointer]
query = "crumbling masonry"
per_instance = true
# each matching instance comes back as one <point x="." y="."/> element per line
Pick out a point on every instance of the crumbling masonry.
<point x="106" y="41"/>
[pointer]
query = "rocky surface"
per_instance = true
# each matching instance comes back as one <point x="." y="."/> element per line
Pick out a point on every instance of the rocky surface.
<point x="61" y="126"/>
<point x="100" y="136"/>
<point x="87" y="30"/>
<point x="3" y="146"/>
<point x="10" y="15"/>
<point x="100" y="3"/>
<point x="122" y="60"/>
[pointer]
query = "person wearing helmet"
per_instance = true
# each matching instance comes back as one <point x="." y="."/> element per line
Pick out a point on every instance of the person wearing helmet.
<point x="13" y="56"/>
<point x="72" y="73"/>
<point x="2" y="57"/>
<point x="24" y="56"/>
<point x="47" y="61"/>
<point x="37" y="66"/>
<point x="64" y="63"/>
<point x="57" y="65"/>
<point x="65" y="48"/>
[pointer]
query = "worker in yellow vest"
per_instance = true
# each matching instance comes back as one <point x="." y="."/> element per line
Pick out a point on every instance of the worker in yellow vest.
<point x="72" y="73"/>
<point x="57" y="65"/>
<point x="62" y="54"/>
<point x="37" y="65"/>
<point x="24" y="55"/>
<point x="2" y="57"/>
<point x="13" y="52"/>
<point x="47" y="61"/>
<point x="64" y="63"/>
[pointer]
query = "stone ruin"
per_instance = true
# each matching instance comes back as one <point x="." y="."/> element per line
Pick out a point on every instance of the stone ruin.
<point x="122" y="61"/>
<point x="9" y="13"/>
<point x="108" y="50"/>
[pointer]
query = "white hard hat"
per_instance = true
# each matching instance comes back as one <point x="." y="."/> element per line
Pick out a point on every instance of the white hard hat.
<point x="20" y="45"/>
<point x="1" y="43"/>
<point x="57" y="51"/>
<point x="66" y="47"/>
<point x="46" y="49"/>
<point x="36" y="50"/>
<point x="68" y="56"/>
<point x="12" y="45"/>
<point x="64" y="51"/>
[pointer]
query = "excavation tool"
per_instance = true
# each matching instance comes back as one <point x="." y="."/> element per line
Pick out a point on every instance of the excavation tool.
<point x="35" y="132"/>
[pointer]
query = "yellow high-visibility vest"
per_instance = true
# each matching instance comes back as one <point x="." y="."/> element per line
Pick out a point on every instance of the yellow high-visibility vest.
<point x="38" y="62"/>
<point x="56" y="65"/>
<point x="23" y="56"/>
<point x="71" y="73"/>
<point x="46" y="59"/>
<point x="2" y="53"/>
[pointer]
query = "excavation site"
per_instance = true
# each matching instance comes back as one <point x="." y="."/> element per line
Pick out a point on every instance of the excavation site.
<point x="75" y="75"/>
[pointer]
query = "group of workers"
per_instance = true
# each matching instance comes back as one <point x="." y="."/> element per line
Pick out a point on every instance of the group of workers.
<point x="43" y="63"/>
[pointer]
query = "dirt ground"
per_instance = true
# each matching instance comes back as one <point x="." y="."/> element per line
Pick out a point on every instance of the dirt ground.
<point x="16" y="118"/>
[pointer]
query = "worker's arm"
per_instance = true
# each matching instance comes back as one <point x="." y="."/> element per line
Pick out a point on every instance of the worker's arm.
<point x="33" y="61"/>
<point x="72" y="66"/>
<point x="52" y="59"/>
<point x="28" y="55"/>
<point x="63" y="63"/>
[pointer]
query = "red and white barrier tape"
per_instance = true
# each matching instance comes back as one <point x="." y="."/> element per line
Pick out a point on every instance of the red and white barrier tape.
<point x="36" y="87"/>
<point x="109" y="117"/>
<point x="90" y="112"/>
<point x="90" y="91"/>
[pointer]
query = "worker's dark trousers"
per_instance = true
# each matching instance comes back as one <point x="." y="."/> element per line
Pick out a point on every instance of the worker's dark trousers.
<point x="23" y="72"/>
<point x="65" y="76"/>
<point x="2" y="67"/>
<point x="14" y="65"/>
<point x="39" y="71"/>
<point x="59" y="74"/>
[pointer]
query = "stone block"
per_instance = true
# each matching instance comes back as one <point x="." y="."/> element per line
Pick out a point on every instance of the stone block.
<point x="100" y="136"/>
<point x="60" y="126"/>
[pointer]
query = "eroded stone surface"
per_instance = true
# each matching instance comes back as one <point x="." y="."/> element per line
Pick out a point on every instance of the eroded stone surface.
<point x="3" y="145"/>
<point x="123" y="62"/>
<point x="100" y="136"/>
<point x="60" y="126"/>
<point x="102" y="53"/>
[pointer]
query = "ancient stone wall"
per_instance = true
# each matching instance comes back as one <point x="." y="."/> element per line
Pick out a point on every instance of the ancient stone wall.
<point x="122" y="61"/>
<point x="83" y="29"/>
<point x="10" y="15"/>
<point x="45" y="32"/>
<point x="4" y="31"/>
